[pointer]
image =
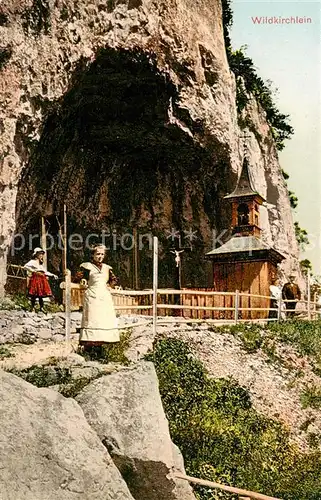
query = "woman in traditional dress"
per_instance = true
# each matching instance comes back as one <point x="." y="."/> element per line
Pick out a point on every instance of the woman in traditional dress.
<point x="276" y="294"/>
<point x="99" y="322"/>
<point x="38" y="286"/>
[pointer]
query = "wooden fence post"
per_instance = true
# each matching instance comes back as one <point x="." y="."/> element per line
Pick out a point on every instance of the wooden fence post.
<point x="67" y="304"/>
<point x="237" y="305"/>
<point x="64" y="256"/>
<point x="43" y="241"/>
<point x="309" y="295"/>
<point x="279" y="308"/>
<point x="155" y="283"/>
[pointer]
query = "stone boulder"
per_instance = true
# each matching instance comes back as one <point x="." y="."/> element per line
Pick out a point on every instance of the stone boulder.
<point x="126" y="411"/>
<point x="48" y="450"/>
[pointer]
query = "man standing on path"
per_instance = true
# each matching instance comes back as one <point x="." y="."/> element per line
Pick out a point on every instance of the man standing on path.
<point x="291" y="292"/>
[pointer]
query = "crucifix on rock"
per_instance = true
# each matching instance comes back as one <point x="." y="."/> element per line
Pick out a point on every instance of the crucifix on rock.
<point x="178" y="276"/>
<point x="177" y="256"/>
<point x="177" y="250"/>
<point x="178" y="265"/>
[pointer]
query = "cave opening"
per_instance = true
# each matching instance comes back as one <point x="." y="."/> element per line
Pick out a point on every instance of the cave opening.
<point x="119" y="152"/>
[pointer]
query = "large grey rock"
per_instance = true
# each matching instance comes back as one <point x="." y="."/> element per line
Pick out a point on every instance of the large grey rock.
<point x="126" y="411"/>
<point x="141" y="342"/>
<point x="48" y="450"/>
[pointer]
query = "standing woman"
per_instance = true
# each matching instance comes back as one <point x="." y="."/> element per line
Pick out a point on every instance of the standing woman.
<point x="99" y="322"/>
<point x="276" y="294"/>
<point x="38" y="286"/>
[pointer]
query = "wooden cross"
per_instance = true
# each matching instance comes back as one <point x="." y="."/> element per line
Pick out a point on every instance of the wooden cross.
<point x="245" y="136"/>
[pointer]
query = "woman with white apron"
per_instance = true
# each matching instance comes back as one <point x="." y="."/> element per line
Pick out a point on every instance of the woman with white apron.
<point x="99" y="322"/>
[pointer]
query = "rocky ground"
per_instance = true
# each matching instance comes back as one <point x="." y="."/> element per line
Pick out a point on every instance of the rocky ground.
<point x="276" y="383"/>
<point x="275" y="388"/>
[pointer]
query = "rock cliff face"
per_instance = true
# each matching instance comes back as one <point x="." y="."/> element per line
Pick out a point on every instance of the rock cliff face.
<point x="125" y="111"/>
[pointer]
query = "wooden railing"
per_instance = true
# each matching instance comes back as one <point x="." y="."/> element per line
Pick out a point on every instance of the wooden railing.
<point x="194" y="304"/>
<point x="246" y="495"/>
<point x="198" y="305"/>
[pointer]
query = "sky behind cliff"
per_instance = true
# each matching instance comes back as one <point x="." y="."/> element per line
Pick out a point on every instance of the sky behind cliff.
<point x="289" y="55"/>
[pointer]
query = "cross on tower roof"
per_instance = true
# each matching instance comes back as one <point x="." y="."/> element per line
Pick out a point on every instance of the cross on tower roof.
<point x="245" y="136"/>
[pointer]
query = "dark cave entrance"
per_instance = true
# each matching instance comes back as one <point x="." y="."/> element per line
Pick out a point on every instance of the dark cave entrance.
<point x="112" y="151"/>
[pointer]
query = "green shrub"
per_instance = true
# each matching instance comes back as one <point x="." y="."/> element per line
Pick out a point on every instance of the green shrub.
<point x="7" y="304"/>
<point x="5" y="353"/>
<point x="109" y="353"/>
<point x="251" y="337"/>
<point x="311" y="397"/>
<point x="71" y="388"/>
<point x="43" y="375"/>
<point x="52" y="374"/>
<point x="249" y="83"/>
<point x="36" y="18"/>
<point x="222" y="438"/>
<point x="21" y="301"/>
<point x="303" y="335"/>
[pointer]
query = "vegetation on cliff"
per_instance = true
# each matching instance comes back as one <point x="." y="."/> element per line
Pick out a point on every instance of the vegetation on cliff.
<point x="300" y="234"/>
<point x="222" y="438"/>
<point x="249" y="83"/>
<point x="36" y="18"/>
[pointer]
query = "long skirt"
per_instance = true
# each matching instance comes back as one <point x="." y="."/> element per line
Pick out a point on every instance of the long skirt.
<point x="273" y="312"/>
<point x="99" y="321"/>
<point x="39" y="286"/>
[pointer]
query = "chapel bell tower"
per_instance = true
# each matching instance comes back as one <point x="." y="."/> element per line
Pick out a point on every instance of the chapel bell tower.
<point x="245" y="206"/>
<point x="245" y="262"/>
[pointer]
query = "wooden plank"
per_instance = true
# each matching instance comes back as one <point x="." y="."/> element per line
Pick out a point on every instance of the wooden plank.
<point x="216" y="302"/>
<point x="267" y="271"/>
<point x="195" y="308"/>
<point x="254" y="288"/>
<point x="204" y="300"/>
<point x="192" y="305"/>
<point x="207" y="304"/>
<point x="68" y="306"/>
<point x="197" y="304"/>
<point x="184" y="302"/>
<point x="189" y="312"/>
<point x="200" y="302"/>
<point x="182" y="292"/>
<point x="230" y="489"/>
